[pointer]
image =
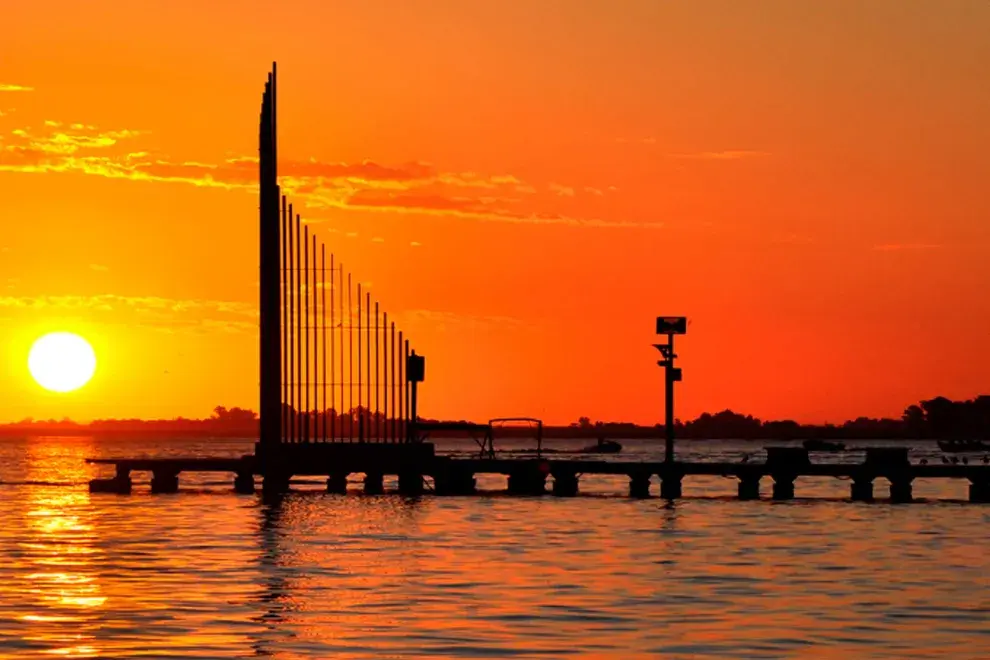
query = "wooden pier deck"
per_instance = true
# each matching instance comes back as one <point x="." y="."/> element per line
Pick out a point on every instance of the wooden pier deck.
<point x="416" y="465"/>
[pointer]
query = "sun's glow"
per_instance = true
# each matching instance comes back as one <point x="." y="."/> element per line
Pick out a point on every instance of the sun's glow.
<point x="62" y="361"/>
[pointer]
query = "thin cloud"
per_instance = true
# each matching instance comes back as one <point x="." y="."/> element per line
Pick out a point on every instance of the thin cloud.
<point x="473" y="209"/>
<point x="439" y="320"/>
<point x="99" y="268"/>
<point x="561" y="190"/>
<point x="723" y="155"/>
<point x="897" y="247"/>
<point x="643" y="140"/>
<point x="15" y="88"/>
<point x="166" y="314"/>
<point x="367" y="185"/>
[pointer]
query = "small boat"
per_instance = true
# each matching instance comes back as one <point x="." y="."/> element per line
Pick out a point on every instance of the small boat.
<point x="823" y="445"/>
<point x="603" y="446"/>
<point x="956" y="446"/>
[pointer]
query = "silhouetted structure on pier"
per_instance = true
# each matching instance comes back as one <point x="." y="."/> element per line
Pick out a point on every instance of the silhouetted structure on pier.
<point x="331" y="371"/>
<point x="325" y="410"/>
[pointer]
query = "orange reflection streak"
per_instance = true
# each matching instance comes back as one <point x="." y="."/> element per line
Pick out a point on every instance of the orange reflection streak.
<point x="60" y="591"/>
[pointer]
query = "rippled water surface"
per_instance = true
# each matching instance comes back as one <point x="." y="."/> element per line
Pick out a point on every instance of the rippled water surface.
<point x="206" y="573"/>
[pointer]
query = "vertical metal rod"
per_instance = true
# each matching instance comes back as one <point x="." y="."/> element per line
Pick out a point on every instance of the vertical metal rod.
<point x="402" y="392"/>
<point x="333" y="348"/>
<point x="285" y="332"/>
<point x="290" y="330"/>
<point x="410" y="387"/>
<point x="668" y="454"/>
<point x="340" y="302"/>
<point x="367" y="361"/>
<point x="359" y="388"/>
<point x="395" y="437"/>
<point x="296" y="334"/>
<point x="323" y="329"/>
<point x="410" y="427"/>
<point x="350" y="361"/>
<point x="385" y="374"/>
<point x="378" y="381"/>
<point x="304" y="289"/>
<point x="316" y="353"/>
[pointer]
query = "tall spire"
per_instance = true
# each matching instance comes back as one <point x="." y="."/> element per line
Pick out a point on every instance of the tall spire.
<point x="269" y="275"/>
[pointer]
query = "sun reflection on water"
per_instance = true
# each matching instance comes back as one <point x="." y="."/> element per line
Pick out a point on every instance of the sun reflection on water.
<point x="59" y="591"/>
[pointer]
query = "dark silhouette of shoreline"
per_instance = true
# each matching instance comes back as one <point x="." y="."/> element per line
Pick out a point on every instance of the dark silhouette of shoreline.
<point x="935" y="419"/>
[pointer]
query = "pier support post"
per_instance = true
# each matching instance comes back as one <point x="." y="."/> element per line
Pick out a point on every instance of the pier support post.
<point x="275" y="483"/>
<point x="374" y="483"/>
<point x="979" y="492"/>
<point x="337" y="483"/>
<point x="639" y="485"/>
<point x="119" y="484"/>
<point x="900" y="490"/>
<point x="565" y="484"/>
<point x="244" y="483"/>
<point x="164" y="482"/>
<point x="749" y="487"/>
<point x="527" y="482"/>
<point x="454" y="482"/>
<point x="410" y="483"/>
<point x="861" y="490"/>
<point x="670" y="486"/>
<point x="783" y="486"/>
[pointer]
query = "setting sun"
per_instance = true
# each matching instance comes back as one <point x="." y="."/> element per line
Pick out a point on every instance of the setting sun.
<point x="62" y="361"/>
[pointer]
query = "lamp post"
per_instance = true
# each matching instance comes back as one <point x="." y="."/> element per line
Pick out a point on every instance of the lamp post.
<point x="669" y="326"/>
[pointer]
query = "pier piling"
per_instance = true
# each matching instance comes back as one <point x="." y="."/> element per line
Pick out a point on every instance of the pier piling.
<point x="783" y="486"/>
<point x="244" y="483"/>
<point x="749" y="487"/>
<point x="410" y="483"/>
<point x="639" y="485"/>
<point x="163" y="481"/>
<point x="374" y="483"/>
<point x="527" y="481"/>
<point x="275" y="483"/>
<point x="979" y="491"/>
<point x="454" y="482"/>
<point x="565" y="484"/>
<point x="337" y="483"/>
<point x="861" y="490"/>
<point x="119" y="484"/>
<point x="900" y="489"/>
<point x="671" y="486"/>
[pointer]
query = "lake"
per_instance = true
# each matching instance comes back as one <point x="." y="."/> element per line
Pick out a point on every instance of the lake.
<point x="207" y="573"/>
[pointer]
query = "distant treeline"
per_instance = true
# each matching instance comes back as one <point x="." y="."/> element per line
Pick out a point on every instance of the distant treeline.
<point x="936" y="418"/>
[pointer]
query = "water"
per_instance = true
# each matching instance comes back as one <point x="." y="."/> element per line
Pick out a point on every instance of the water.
<point x="207" y="573"/>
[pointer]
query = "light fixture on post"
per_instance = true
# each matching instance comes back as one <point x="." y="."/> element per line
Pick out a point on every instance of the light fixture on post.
<point x="669" y="326"/>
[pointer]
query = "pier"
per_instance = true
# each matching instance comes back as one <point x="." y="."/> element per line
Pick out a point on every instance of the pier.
<point x="339" y="396"/>
<point x="420" y="472"/>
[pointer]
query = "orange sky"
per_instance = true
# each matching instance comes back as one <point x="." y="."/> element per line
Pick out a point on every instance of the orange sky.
<point x="525" y="185"/>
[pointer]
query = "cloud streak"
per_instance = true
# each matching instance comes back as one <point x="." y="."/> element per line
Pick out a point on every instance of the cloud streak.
<point x="415" y="187"/>
<point x="166" y="314"/>
<point x="488" y="210"/>
<point x="15" y="88"/>
<point x="901" y="247"/>
<point x="439" y="320"/>
<point x="723" y="155"/>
